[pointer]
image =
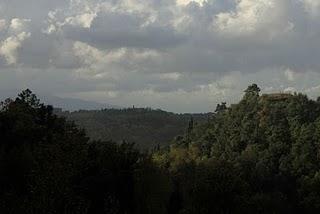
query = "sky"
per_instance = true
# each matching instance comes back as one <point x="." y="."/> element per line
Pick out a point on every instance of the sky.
<point x="177" y="55"/>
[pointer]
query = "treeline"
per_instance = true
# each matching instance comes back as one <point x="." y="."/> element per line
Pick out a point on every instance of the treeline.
<point x="148" y="128"/>
<point x="261" y="155"/>
<point x="48" y="165"/>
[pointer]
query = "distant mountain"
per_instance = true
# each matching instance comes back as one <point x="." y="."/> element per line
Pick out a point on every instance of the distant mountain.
<point x="72" y="104"/>
<point x="67" y="104"/>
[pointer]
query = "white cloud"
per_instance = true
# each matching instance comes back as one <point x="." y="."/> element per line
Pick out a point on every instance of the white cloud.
<point x="312" y="7"/>
<point x="289" y="90"/>
<point x="84" y="20"/>
<point x="313" y="89"/>
<point x="117" y="61"/>
<point x="186" y="2"/>
<point x="77" y="14"/>
<point x="83" y="13"/>
<point x="17" y="33"/>
<point x="254" y="16"/>
<point x="91" y="55"/>
<point x="9" y="47"/>
<point x="88" y="54"/>
<point x="179" y="55"/>
<point x="19" y="25"/>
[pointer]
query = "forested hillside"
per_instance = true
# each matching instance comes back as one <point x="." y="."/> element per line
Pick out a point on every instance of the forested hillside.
<point x="261" y="155"/>
<point x="146" y="127"/>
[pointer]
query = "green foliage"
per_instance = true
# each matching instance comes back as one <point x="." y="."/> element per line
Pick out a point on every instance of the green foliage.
<point x="146" y="127"/>
<point x="261" y="155"/>
<point x="258" y="156"/>
<point x="48" y="165"/>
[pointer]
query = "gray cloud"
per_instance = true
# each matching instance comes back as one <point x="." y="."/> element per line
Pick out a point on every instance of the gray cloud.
<point x="183" y="55"/>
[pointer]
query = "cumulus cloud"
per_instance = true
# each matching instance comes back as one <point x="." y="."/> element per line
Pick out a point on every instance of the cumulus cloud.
<point x="10" y="46"/>
<point x="78" y="14"/>
<point x="122" y="69"/>
<point x="83" y="20"/>
<point x="92" y="56"/>
<point x="255" y="16"/>
<point x="289" y="90"/>
<point x="186" y="2"/>
<point x="181" y="55"/>
<point x="19" y="25"/>
<point x="17" y="34"/>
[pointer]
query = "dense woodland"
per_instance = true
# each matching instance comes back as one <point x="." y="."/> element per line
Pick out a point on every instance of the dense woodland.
<point x="146" y="127"/>
<point x="261" y="155"/>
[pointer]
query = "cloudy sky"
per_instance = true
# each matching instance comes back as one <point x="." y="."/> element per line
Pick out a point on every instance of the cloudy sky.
<point x="178" y="55"/>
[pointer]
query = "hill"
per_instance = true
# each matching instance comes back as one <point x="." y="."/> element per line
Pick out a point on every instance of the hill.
<point x="146" y="127"/>
<point x="71" y="104"/>
<point x="261" y="155"/>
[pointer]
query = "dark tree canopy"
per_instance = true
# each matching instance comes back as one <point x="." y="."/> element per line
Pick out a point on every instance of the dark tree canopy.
<point x="252" y="90"/>
<point x="48" y="165"/>
<point x="261" y="155"/>
<point x="145" y="126"/>
<point x="221" y="107"/>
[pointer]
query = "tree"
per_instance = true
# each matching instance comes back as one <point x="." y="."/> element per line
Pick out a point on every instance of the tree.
<point x="262" y="155"/>
<point x="48" y="165"/>
<point x="28" y="98"/>
<point x="252" y="90"/>
<point x="40" y="156"/>
<point x="264" y="158"/>
<point x="221" y="107"/>
<point x="190" y="127"/>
